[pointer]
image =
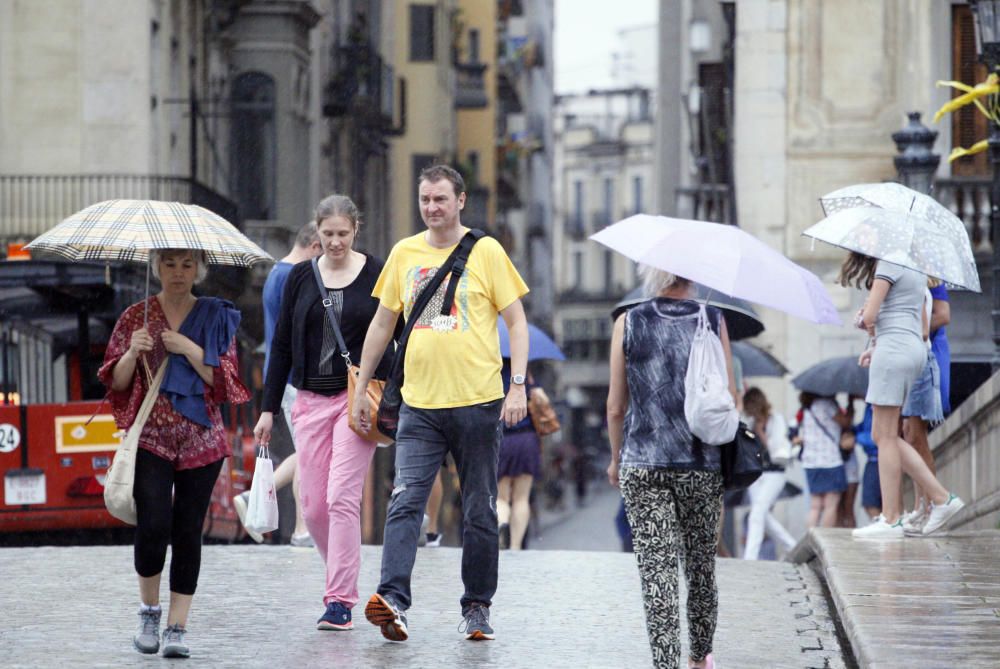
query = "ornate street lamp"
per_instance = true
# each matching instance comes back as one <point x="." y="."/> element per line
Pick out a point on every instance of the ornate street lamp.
<point x="986" y="14"/>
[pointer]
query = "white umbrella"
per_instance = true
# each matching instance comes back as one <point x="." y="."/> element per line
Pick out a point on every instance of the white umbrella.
<point x="723" y="258"/>
<point x="891" y="222"/>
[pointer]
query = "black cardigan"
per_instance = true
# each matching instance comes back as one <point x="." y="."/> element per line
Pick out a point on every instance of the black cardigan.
<point x="291" y="336"/>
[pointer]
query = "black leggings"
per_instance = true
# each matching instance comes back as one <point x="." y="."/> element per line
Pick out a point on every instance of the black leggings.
<point x="177" y="521"/>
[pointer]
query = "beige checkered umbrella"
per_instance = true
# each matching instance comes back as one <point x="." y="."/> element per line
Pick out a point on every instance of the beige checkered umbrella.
<point x="126" y="230"/>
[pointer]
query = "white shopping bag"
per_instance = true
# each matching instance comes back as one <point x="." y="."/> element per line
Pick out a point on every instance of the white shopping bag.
<point x="262" y="511"/>
<point x="708" y="405"/>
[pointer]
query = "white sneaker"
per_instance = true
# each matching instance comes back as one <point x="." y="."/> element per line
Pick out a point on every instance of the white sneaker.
<point x="940" y="514"/>
<point x="240" y="502"/>
<point x="303" y="540"/>
<point x="424" y="524"/>
<point x="880" y="529"/>
<point x="914" y="521"/>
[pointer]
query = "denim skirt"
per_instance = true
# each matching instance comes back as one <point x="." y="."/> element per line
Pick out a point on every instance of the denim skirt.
<point x="924" y="399"/>
<point x="830" y="479"/>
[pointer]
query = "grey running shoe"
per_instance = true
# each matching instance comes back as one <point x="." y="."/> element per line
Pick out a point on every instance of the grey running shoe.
<point x="147" y="639"/>
<point x="476" y="625"/>
<point x="173" y="642"/>
<point x="241" y="502"/>
<point x="386" y="615"/>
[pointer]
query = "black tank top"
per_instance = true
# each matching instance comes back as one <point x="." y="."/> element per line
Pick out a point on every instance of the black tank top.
<point x="658" y="336"/>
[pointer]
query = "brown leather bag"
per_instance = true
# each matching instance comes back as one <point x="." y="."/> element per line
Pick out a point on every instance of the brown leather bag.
<point x="374" y="395"/>
<point x="543" y="416"/>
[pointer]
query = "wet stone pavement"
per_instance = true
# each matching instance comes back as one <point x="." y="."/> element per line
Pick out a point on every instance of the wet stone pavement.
<point x="256" y="607"/>
<point x="917" y="602"/>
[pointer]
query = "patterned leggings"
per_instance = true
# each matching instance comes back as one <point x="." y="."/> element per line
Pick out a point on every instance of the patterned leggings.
<point x="671" y="511"/>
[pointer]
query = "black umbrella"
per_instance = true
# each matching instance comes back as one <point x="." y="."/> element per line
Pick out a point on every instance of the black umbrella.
<point x="742" y="322"/>
<point x="836" y="375"/>
<point x="756" y="361"/>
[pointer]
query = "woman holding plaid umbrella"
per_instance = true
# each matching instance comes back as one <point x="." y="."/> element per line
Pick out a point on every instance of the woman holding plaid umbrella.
<point x="183" y="442"/>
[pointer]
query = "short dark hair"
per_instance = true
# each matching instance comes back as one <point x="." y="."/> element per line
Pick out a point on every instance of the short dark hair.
<point x="306" y="235"/>
<point x="436" y="173"/>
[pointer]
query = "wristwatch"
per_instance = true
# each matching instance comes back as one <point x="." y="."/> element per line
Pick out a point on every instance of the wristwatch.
<point x="517" y="379"/>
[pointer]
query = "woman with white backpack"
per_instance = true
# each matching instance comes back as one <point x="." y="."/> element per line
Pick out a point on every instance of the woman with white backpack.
<point x="671" y="480"/>
<point x="772" y="430"/>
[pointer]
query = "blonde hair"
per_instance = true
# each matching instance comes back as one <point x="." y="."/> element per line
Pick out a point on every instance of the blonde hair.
<point x="656" y="281"/>
<point x="156" y="256"/>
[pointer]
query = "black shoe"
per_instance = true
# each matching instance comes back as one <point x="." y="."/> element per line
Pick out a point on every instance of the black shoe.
<point x="476" y="625"/>
<point x="504" y="536"/>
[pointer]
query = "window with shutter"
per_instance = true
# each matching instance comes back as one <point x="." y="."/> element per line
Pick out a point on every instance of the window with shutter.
<point x="968" y="125"/>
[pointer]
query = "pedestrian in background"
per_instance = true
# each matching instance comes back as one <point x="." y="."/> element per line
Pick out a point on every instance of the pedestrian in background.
<point x="924" y="407"/>
<point x="333" y="460"/>
<point x="453" y="397"/>
<point x="819" y="434"/>
<point x="871" y="491"/>
<point x="852" y="471"/>
<point x="671" y="482"/>
<point x="894" y="318"/>
<point x="183" y="443"/>
<point x="519" y="465"/>
<point x="306" y="247"/>
<point x="772" y="430"/>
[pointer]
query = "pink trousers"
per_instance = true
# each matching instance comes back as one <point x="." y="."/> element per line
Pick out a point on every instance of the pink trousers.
<point x="333" y="464"/>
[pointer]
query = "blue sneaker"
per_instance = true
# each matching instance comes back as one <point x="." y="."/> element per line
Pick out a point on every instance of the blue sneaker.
<point x="337" y="617"/>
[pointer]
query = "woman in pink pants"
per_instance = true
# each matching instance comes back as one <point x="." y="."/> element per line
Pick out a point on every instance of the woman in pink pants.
<point x="333" y="460"/>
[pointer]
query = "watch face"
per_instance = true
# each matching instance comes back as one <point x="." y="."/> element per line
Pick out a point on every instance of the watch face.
<point x="517" y="379"/>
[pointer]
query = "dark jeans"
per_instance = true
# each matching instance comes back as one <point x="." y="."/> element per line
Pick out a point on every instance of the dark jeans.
<point x="170" y="507"/>
<point x="472" y="435"/>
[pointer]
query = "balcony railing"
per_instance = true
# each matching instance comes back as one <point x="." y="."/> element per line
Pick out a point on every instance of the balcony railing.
<point x="32" y="204"/>
<point x="969" y="199"/>
<point x="574" y="227"/>
<point x="600" y="220"/>
<point x="470" y="86"/>
<point x="362" y="83"/>
<point x="706" y="202"/>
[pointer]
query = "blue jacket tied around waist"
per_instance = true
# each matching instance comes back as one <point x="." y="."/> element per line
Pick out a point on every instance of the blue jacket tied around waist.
<point x="212" y="325"/>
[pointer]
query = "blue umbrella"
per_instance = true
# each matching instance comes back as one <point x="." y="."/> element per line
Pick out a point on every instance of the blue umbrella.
<point x="540" y="345"/>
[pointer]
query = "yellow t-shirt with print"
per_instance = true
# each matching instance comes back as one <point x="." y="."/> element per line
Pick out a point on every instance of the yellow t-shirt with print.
<point x="456" y="361"/>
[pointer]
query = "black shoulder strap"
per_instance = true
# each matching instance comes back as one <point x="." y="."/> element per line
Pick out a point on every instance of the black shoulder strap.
<point x="328" y="305"/>
<point x="455" y="264"/>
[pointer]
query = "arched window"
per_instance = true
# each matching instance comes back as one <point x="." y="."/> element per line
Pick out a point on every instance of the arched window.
<point x="253" y="145"/>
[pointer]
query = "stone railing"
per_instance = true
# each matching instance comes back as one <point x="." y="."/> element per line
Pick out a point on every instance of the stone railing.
<point x="969" y="199"/>
<point x="967" y="456"/>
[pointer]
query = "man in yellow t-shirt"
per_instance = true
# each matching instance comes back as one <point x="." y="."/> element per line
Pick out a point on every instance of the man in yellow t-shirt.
<point x="453" y="399"/>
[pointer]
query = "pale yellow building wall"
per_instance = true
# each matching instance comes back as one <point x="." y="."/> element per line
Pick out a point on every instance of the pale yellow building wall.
<point x="430" y="113"/>
<point x="477" y="127"/>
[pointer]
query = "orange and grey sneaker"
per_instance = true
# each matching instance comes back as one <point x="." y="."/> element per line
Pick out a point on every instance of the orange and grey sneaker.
<point x="476" y="625"/>
<point x="381" y="612"/>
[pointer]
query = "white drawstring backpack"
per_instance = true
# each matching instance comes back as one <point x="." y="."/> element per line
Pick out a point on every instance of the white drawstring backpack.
<point x="708" y="405"/>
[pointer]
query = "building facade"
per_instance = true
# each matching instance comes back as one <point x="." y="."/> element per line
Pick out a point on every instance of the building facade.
<point x="604" y="166"/>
